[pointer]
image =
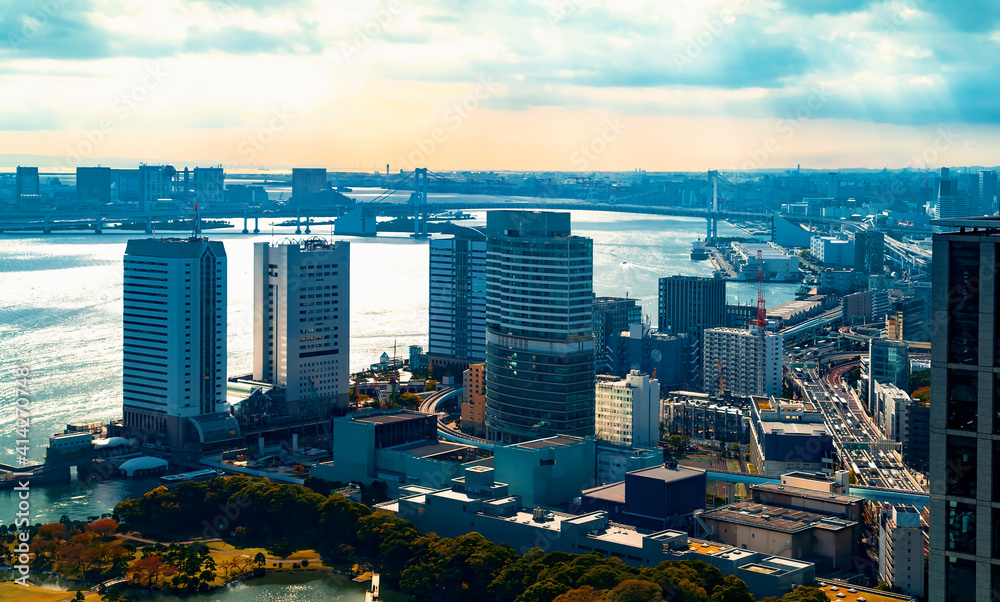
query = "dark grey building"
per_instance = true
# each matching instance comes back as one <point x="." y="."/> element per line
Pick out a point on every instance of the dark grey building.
<point x="655" y="498"/>
<point x="539" y="327"/>
<point x="916" y="435"/>
<point x="688" y="304"/>
<point x="890" y="363"/>
<point x="306" y="181"/>
<point x="964" y="561"/>
<point x="94" y="184"/>
<point x="664" y="357"/>
<point x="612" y="316"/>
<point x="869" y="252"/>
<point x="457" y="300"/>
<point x="28" y="191"/>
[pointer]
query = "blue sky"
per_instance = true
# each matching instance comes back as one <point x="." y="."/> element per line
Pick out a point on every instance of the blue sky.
<point x="477" y="84"/>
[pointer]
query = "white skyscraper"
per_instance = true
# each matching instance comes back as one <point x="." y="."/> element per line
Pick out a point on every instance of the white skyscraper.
<point x="174" y="323"/>
<point x="750" y="361"/>
<point x="628" y="411"/>
<point x="302" y="323"/>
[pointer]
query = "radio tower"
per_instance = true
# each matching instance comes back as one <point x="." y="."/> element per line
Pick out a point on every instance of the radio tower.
<point x="761" y="320"/>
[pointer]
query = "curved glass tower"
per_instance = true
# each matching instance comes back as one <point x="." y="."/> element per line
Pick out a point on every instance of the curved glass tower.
<point x="539" y="327"/>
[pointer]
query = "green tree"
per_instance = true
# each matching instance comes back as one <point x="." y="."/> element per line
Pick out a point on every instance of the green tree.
<point x="919" y="379"/>
<point x="430" y="385"/>
<point x="732" y="589"/>
<point x="636" y="590"/>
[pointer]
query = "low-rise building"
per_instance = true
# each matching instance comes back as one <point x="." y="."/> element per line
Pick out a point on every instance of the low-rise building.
<point x="662" y="496"/>
<point x="701" y="416"/>
<point x="788" y="436"/>
<point x="893" y="403"/>
<point x="549" y="471"/>
<point x="476" y="502"/>
<point x="614" y="460"/>
<point x="791" y="496"/>
<point x="901" y="550"/>
<point x="826" y="540"/>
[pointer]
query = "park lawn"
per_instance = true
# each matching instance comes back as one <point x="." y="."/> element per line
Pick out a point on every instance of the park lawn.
<point x="13" y="592"/>
<point x="251" y="552"/>
<point x="707" y="461"/>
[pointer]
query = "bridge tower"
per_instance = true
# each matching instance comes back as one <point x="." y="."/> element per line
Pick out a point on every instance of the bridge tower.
<point x="419" y="201"/>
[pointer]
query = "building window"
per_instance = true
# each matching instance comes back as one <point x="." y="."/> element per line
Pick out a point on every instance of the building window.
<point x="960" y="578"/>
<point x="963" y="400"/>
<point x="963" y="303"/>
<point x="961" y="466"/>
<point x="961" y="527"/>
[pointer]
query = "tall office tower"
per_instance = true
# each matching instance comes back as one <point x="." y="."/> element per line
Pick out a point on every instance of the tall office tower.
<point x="964" y="562"/>
<point x="457" y="307"/>
<point x="301" y="324"/>
<point x="628" y="411"/>
<point x="305" y="182"/>
<point x="987" y="192"/>
<point x="206" y="185"/>
<point x="612" y="316"/>
<point x="832" y="185"/>
<point x="28" y="190"/>
<point x="951" y="202"/>
<point x="688" y="305"/>
<point x="970" y="188"/>
<point x="539" y="327"/>
<point x="869" y="251"/>
<point x="94" y="184"/>
<point x="889" y="362"/>
<point x="174" y="322"/>
<point x="901" y="550"/>
<point x="749" y="360"/>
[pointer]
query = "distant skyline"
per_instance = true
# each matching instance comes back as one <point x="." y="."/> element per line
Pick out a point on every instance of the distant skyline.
<point x="564" y="85"/>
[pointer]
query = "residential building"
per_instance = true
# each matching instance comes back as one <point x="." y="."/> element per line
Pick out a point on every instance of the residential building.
<point x="831" y="251"/>
<point x="302" y="324"/>
<point x="893" y="403"/>
<point x="612" y="315"/>
<point x="869" y="252"/>
<point x="539" y="322"/>
<point x="746" y="362"/>
<point x="837" y="281"/>
<point x="628" y="411"/>
<point x="666" y="357"/>
<point x="701" y="416"/>
<point x="174" y="340"/>
<point x="787" y="436"/>
<point x="474" y="400"/>
<point x="206" y="185"/>
<point x="901" y="550"/>
<point x="965" y="432"/>
<point x="457" y="299"/>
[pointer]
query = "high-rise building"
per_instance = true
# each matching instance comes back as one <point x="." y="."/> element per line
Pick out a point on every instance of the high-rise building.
<point x="539" y="327"/>
<point x="628" y="411"/>
<point x="28" y="191"/>
<point x="869" y="252"/>
<point x="964" y="561"/>
<point x="667" y="358"/>
<point x="302" y="324"/>
<point x="689" y="305"/>
<point x="987" y="192"/>
<point x="156" y="182"/>
<point x="174" y="323"/>
<point x="94" y="183"/>
<point x="457" y="300"/>
<point x="889" y="362"/>
<point x="307" y="181"/>
<point x="612" y="316"/>
<point x="749" y="361"/>
<point x="901" y="550"/>
<point x="951" y="202"/>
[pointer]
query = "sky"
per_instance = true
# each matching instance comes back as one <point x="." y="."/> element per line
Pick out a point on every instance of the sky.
<point x="563" y="85"/>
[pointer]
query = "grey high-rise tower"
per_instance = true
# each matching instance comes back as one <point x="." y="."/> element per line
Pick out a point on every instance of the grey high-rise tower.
<point x="539" y="321"/>
<point x="457" y="300"/>
<point x="964" y="561"/>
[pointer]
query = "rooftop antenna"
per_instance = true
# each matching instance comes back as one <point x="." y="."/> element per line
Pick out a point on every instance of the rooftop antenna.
<point x="154" y="226"/>
<point x="195" y="233"/>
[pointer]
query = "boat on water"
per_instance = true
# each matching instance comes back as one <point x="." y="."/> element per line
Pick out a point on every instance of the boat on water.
<point x="698" y="252"/>
<point x="195" y="475"/>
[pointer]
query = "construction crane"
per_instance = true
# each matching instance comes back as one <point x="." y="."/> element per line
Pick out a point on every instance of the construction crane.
<point x="761" y="320"/>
